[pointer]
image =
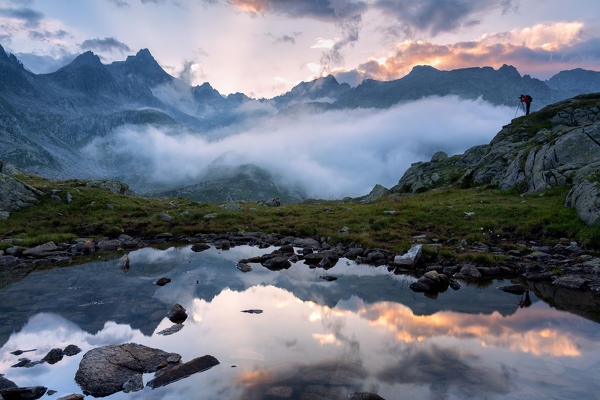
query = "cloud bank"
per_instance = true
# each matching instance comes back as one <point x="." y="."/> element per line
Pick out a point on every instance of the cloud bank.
<point x="331" y="155"/>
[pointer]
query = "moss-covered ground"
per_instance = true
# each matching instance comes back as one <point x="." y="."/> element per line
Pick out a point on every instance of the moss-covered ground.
<point x="438" y="213"/>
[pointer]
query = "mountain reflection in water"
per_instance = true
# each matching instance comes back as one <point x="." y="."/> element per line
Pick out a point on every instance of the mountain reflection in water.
<point x="364" y="332"/>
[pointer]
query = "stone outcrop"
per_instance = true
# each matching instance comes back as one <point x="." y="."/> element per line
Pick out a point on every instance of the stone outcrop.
<point x="557" y="146"/>
<point x="115" y="187"/>
<point x="14" y="194"/>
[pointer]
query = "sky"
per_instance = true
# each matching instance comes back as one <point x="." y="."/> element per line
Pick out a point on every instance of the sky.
<point x="265" y="47"/>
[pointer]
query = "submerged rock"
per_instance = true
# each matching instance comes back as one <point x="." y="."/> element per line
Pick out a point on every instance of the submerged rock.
<point x="163" y="281"/>
<point x="198" y="247"/>
<point x="106" y="370"/>
<point x="53" y="356"/>
<point x="169" y="331"/>
<point x="6" y="383"/>
<point x="243" y="267"/>
<point x="124" y="262"/>
<point x="431" y="282"/>
<point x="514" y="289"/>
<point x="277" y="263"/>
<point x="71" y="397"/>
<point x="366" y="395"/>
<point x="19" y="352"/>
<point x="23" y="393"/>
<point x="177" y="314"/>
<point x="328" y="278"/>
<point x="71" y="350"/>
<point x="177" y="372"/>
<point x="468" y="272"/>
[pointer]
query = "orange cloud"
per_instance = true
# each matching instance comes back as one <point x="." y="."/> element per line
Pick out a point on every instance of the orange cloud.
<point x="252" y="6"/>
<point x="540" y="49"/>
<point x="489" y="330"/>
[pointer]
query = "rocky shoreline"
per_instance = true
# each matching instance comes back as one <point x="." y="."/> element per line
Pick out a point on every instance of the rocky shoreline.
<point x="564" y="275"/>
<point x="563" y="265"/>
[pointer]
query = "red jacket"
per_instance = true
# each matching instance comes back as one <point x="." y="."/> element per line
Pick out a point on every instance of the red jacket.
<point x="526" y="99"/>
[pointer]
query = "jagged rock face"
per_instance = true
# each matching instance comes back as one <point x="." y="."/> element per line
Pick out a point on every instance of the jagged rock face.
<point x="14" y="194"/>
<point x="558" y="146"/>
<point x="585" y="198"/>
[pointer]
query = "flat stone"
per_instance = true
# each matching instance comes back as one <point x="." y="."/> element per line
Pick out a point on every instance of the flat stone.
<point x="410" y="258"/>
<point x="570" y="282"/>
<point x="42" y="250"/>
<point x="177" y="372"/>
<point x="108" y="245"/>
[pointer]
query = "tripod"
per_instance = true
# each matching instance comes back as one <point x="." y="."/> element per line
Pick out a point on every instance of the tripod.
<point x="521" y="106"/>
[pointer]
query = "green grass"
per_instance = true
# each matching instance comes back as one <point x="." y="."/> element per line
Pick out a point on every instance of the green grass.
<point x="438" y="214"/>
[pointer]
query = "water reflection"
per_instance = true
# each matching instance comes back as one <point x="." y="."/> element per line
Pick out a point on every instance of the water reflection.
<point x="315" y="339"/>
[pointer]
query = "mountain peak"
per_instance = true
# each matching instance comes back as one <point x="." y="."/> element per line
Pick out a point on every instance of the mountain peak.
<point x="144" y="53"/>
<point x="87" y="58"/>
<point x="144" y="66"/>
<point x="421" y="69"/>
<point x="509" y="70"/>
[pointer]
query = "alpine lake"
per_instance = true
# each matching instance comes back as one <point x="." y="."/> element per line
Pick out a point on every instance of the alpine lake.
<point x="315" y="339"/>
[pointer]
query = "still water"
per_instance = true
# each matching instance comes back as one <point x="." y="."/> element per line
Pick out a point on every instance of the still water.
<point x="366" y="331"/>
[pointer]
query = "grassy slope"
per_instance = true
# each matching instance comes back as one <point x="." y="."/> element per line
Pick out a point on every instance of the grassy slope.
<point x="438" y="213"/>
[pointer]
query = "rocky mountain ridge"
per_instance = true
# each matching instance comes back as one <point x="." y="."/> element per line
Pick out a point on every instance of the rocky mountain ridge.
<point x="557" y="146"/>
<point x="47" y="120"/>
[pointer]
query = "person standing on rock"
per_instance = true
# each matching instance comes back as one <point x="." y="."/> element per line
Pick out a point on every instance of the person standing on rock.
<point x="526" y="100"/>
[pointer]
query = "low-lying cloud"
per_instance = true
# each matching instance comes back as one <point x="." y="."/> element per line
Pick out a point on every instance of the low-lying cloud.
<point x="331" y="154"/>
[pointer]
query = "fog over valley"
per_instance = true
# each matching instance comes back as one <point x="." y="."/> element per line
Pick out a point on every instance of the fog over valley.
<point x="329" y="154"/>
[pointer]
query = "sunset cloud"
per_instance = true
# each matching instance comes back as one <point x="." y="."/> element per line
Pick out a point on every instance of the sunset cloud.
<point x="542" y="49"/>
